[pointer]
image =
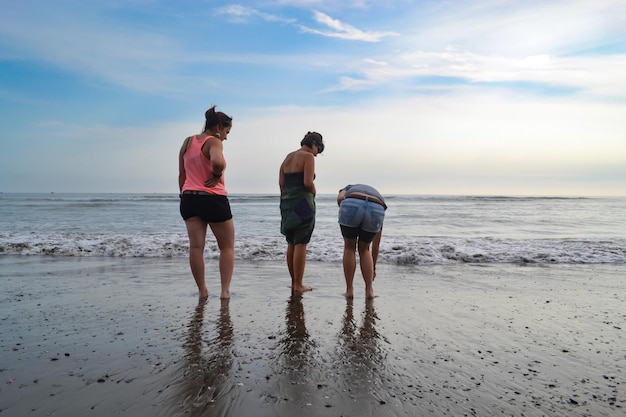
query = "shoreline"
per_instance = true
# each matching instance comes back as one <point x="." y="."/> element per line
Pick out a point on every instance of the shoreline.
<point x="127" y="336"/>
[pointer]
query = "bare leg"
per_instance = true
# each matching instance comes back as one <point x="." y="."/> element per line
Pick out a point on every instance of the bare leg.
<point x="349" y="264"/>
<point x="196" y="229"/>
<point x="290" y="250"/>
<point x="375" y="248"/>
<point x="367" y="268"/>
<point x="225" y="235"/>
<point x="298" y="264"/>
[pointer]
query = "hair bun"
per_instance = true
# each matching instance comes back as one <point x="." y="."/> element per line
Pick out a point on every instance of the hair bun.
<point x="209" y="113"/>
<point x="314" y="135"/>
<point x="313" y="138"/>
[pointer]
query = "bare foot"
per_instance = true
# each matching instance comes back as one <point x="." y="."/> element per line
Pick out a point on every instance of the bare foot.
<point x="370" y="295"/>
<point x="204" y="294"/>
<point x="301" y="288"/>
<point x="349" y="292"/>
<point x="225" y="295"/>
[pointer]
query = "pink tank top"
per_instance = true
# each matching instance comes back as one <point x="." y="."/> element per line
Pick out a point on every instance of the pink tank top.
<point x="198" y="169"/>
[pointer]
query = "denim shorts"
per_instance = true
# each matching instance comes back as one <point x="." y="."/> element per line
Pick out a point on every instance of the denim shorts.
<point x="364" y="215"/>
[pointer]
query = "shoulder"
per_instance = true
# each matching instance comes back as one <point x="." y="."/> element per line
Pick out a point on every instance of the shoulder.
<point x="307" y="160"/>
<point x="186" y="144"/>
<point x="211" y="139"/>
<point x="289" y="157"/>
<point x="212" y="142"/>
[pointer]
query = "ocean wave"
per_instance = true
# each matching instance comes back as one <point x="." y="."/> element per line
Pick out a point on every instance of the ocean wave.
<point x="414" y="251"/>
<point x="138" y="197"/>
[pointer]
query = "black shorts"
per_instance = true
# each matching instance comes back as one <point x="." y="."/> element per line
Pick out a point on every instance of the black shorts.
<point x="354" y="232"/>
<point x="211" y="208"/>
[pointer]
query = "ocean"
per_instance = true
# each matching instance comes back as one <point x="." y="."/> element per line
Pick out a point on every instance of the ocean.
<point x="418" y="229"/>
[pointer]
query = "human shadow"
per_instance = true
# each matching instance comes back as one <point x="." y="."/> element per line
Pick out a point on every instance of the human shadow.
<point x="209" y="359"/>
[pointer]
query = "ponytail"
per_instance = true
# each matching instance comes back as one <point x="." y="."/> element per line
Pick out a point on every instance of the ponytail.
<point x="216" y="118"/>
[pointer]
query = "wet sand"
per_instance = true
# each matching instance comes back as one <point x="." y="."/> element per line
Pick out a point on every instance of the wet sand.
<point x="108" y="336"/>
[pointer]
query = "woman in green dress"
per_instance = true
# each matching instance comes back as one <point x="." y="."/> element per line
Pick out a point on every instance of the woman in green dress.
<point x="297" y="204"/>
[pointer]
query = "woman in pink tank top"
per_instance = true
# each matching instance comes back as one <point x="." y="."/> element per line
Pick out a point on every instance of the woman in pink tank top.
<point x="204" y="200"/>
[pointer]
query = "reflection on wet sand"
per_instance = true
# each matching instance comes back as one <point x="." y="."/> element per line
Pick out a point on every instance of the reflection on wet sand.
<point x="361" y="360"/>
<point x="296" y="359"/>
<point x="297" y="343"/>
<point x="209" y="361"/>
<point x="295" y="374"/>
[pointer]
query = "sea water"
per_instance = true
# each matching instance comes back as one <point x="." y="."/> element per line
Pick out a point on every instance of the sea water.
<point x="418" y="229"/>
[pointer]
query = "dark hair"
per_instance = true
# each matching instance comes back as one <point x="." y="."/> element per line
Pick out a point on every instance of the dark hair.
<point x="313" y="138"/>
<point x="216" y="118"/>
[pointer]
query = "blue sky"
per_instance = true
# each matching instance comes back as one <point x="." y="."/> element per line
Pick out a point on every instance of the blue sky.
<point x="420" y="97"/>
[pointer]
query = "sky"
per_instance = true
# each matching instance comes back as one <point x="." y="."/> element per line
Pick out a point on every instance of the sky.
<point x="492" y="97"/>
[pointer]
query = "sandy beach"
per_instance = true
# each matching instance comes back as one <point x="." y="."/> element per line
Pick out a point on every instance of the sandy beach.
<point x="124" y="336"/>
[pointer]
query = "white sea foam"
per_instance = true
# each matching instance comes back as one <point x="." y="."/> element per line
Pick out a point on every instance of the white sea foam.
<point x="418" y="230"/>
<point x="412" y="251"/>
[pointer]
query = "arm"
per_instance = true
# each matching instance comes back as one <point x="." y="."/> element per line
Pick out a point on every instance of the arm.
<point x="182" y="175"/>
<point x="341" y="196"/>
<point x="281" y="178"/>
<point x="213" y="149"/>
<point x="216" y="156"/>
<point x="309" y="173"/>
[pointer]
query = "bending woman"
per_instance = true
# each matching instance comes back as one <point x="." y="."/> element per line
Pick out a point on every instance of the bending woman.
<point x="361" y="215"/>
<point x="204" y="200"/>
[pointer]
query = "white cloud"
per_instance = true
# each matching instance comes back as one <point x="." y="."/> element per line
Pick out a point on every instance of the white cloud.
<point x="345" y="31"/>
<point x="467" y="142"/>
<point x="490" y="35"/>
<point x="242" y="14"/>
<point x="599" y="76"/>
<point x="518" y="28"/>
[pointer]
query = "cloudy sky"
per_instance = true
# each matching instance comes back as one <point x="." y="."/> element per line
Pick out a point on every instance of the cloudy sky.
<point x="419" y="97"/>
